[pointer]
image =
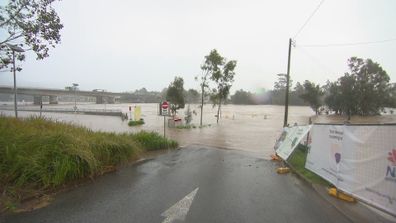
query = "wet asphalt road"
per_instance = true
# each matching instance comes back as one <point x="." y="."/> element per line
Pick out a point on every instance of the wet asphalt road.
<point x="233" y="187"/>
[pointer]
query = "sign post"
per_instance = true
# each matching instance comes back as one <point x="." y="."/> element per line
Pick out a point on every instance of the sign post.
<point x="164" y="109"/>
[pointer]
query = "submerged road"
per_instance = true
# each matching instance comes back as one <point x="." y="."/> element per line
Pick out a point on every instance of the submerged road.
<point x="194" y="184"/>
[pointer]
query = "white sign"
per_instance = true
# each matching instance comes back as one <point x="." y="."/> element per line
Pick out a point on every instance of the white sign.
<point x="164" y="112"/>
<point x="289" y="140"/>
<point x="358" y="159"/>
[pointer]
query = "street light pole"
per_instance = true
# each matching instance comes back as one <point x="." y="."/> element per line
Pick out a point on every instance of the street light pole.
<point x="15" y="88"/>
<point x="15" y="48"/>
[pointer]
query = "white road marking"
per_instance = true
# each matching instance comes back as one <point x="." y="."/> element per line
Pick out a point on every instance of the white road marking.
<point x="179" y="210"/>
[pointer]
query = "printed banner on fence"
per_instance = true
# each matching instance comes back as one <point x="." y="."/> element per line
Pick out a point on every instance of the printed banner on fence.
<point x="289" y="140"/>
<point x="358" y="159"/>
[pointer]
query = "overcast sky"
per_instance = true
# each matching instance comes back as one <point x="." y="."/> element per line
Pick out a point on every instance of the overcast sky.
<point x="123" y="45"/>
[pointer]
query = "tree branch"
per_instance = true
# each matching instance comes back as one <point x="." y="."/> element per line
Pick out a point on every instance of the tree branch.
<point x="11" y="38"/>
<point x="12" y="16"/>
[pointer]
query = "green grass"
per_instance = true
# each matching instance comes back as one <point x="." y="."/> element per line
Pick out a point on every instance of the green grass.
<point x="153" y="141"/>
<point x="189" y="126"/>
<point x="297" y="161"/>
<point x="38" y="154"/>
<point x="135" y="123"/>
<point x="192" y="126"/>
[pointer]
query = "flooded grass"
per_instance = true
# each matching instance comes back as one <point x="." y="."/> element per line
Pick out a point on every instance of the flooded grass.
<point x="38" y="154"/>
<point x="297" y="161"/>
<point x="135" y="123"/>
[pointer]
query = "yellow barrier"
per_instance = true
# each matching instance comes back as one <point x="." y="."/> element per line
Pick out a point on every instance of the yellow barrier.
<point x="282" y="170"/>
<point x="340" y="195"/>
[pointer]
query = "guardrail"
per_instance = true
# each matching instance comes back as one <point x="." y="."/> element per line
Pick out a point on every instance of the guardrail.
<point x="109" y="112"/>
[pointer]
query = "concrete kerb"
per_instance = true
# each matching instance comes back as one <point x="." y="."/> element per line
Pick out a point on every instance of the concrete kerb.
<point x="356" y="212"/>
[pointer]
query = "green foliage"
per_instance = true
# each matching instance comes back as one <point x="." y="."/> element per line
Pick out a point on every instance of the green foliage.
<point x="175" y="94"/>
<point x="192" y="96"/>
<point x="222" y="73"/>
<point x="30" y="24"/>
<point x="242" y="97"/>
<point x="277" y="95"/>
<point x="297" y="161"/>
<point x="365" y="90"/>
<point x="264" y="97"/>
<point x="209" y="66"/>
<point x="282" y="82"/>
<point x="312" y="94"/>
<point x="135" y="123"/>
<point x="186" y="126"/>
<point x="392" y="96"/>
<point x="153" y="141"/>
<point x="192" y="126"/>
<point x="142" y="96"/>
<point x="39" y="154"/>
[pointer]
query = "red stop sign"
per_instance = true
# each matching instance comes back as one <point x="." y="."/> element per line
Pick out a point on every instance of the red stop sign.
<point x="165" y="105"/>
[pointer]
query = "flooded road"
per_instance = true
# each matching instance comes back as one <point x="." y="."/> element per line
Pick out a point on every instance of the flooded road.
<point x="251" y="128"/>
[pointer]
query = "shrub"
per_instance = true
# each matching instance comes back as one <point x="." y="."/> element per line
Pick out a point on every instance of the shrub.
<point x="135" y="123"/>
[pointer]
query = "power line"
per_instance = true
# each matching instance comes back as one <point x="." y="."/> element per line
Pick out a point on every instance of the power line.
<point x="309" y="18"/>
<point x="348" y="44"/>
<point x="317" y="62"/>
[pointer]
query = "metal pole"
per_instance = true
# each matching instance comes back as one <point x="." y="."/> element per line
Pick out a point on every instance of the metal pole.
<point x="287" y="86"/>
<point x="75" y="99"/>
<point x="41" y="107"/>
<point x="164" y="126"/>
<point x="15" y="88"/>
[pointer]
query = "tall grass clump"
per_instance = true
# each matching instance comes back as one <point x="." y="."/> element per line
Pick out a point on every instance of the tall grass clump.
<point x="153" y="141"/>
<point x="38" y="154"/>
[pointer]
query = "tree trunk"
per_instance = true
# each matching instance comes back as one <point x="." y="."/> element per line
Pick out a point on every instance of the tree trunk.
<point x="202" y="101"/>
<point x="218" y="111"/>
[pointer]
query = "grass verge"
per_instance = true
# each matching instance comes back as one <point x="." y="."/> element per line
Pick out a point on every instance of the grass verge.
<point x="297" y="161"/>
<point x="39" y="155"/>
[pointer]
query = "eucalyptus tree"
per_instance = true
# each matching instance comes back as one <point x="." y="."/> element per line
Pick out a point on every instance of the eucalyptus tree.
<point x="212" y="63"/>
<point x="30" y="24"/>
<point x="224" y="78"/>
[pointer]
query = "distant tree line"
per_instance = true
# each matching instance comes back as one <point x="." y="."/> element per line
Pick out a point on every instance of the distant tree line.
<point x="364" y="90"/>
<point x="270" y="97"/>
<point x="142" y="95"/>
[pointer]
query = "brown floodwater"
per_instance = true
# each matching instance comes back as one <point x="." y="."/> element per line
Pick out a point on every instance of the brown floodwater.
<point x="251" y="128"/>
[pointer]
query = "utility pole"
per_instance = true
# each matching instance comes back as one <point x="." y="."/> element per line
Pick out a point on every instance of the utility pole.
<point x="287" y="85"/>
